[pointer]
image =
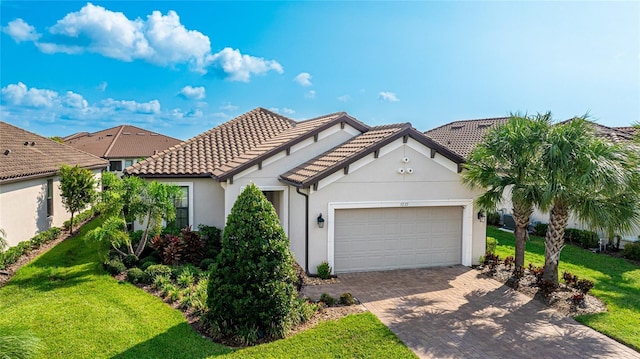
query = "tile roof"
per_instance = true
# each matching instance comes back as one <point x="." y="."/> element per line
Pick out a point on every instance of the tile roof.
<point x="25" y="155"/>
<point x="615" y="134"/>
<point x="358" y="147"/>
<point x="462" y="136"/>
<point x="124" y="141"/>
<point x="205" y="154"/>
<point x="628" y="129"/>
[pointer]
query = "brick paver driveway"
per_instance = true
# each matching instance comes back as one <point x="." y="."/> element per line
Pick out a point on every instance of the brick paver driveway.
<point x="455" y="312"/>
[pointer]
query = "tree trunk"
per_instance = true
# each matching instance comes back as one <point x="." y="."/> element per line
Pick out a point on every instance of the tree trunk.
<point x="71" y="224"/>
<point x="145" y="235"/>
<point x="126" y="230"/>
<point x="554" y="241"/>
<point x="521" y="216"/>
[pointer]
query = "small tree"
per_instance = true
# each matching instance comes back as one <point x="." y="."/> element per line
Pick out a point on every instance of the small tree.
<point x="130" y="199"/>
<point x="78" y="189"/>
<point x="252" y="292"/>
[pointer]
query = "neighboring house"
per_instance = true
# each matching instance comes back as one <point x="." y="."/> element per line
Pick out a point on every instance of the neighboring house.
<point x="362" y="198"/>
<point x="30" y="199"/>
<point x="122" y="145"/>
<point x="461" y="137"/>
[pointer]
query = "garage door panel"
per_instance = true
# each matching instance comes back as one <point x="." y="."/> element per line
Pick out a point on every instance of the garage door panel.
<point x="394" y="238"/>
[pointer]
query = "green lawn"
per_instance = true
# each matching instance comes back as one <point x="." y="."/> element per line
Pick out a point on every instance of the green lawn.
<point x="78" y="311"/>
<point x="617" y="283"/>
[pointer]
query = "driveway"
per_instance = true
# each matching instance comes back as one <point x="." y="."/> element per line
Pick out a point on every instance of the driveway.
<point x="454" y="312"/>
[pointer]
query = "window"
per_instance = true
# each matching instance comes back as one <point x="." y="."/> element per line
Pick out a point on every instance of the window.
<point x="182" y="209"/>
<point x="49" y="197"/>
<point x="128" y="163"/>
<point x="115" y="165"/>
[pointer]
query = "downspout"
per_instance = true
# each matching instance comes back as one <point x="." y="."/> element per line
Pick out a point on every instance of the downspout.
<point x="306" y="230"/>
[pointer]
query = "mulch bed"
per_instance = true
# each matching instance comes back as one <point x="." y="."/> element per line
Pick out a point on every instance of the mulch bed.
<point x="560" y="300"/>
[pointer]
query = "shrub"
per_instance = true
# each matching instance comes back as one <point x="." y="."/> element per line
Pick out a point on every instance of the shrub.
<point x="538" y="272"/>
<point x="79" y="218"/>
<point x="192" y="246"/>
<point x="136" y="275"/>
<point x="212" y="237"/>
<point x="540" y="229"/>
<point x="492" y="243"/>
<point x="632" y="251"/>
<point x="327" y="299"/>
<point x="584" y="285"/>
<point x="185" y="279"/>
<point x="114" y="267"/>
<point x="206" y="263"/>
<point x="569" y="278"/>
<point x="253" y="286"/>
<point x="160" y="281"/>
<point x="304" y="311"/>
<point x="547" y="287"/>
<point x="346" y="299"/>
<point x="130" y="260"/>
<point x="156" y="270"/>
<point x="146" y="264"/>
<point x="493" y="218"/>
<point x="324" y="270"/>
<point x="583" y="238"/>
<point x="509" y="261"/>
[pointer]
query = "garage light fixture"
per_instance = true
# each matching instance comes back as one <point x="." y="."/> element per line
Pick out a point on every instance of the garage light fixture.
<point x="481" y="216"/>
<point x="320" y="221"/>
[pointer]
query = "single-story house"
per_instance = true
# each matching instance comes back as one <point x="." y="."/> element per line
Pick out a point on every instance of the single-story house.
<point x="122" y="145"/>
<point x="460" y="137"/>
<point x="362" y="198"/>
<point x="30" y="199"/>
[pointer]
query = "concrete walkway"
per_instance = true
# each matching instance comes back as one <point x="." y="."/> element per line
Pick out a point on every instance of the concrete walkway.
<point x="455" y="312"/>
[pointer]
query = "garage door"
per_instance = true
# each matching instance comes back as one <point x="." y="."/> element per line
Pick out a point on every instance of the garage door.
<point x="393" y="238"/>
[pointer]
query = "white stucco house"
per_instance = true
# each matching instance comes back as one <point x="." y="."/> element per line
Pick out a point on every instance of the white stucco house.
<point x="389" y="196"/>
<point x="30" y="199"/>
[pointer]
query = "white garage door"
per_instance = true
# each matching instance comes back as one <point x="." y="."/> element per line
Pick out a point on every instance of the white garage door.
<point x="393" y="238"/>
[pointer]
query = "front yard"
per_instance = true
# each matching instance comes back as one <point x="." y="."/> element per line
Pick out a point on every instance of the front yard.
<point x="66" y="299"/>
<point x="617" y="283"/>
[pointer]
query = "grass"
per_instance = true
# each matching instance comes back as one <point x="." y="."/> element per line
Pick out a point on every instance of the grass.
<point x="617" y="284"/>
<point x="65" y="298"/>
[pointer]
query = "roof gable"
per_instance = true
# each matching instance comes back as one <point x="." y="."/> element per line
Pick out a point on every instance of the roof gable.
<point x="124" y="141"/>
<point x="340" y="157"/>
<point x="27" y="155"/>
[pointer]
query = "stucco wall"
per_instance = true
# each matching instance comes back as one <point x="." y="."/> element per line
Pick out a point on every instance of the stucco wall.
<point x="378" y="179"/>
<point x="23" y="208"/>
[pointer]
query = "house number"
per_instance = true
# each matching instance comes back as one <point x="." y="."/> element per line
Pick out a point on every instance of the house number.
<point x="404" y="204"/>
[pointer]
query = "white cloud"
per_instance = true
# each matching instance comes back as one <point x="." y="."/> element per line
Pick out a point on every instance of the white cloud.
<point x="303" y="78"/>
<point x="239" y="67"/>
<point x="344" y="98"/>
<point x="20" y="31"/>
<point x="19" y="95"/>
<point x="310" y="94"/>
<point x="193" y="93"/>
<point x="159" y="39"/>
<point x="228" y="107"/>
<point x="288" y="111"/>
<point x="388" y="96"/>
<point x="103" y="86"/>
<point x="74" y="100"/>
<point x="151" y="107"/>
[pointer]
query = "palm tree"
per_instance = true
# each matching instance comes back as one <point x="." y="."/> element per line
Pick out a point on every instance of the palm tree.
<point x="508" y="162"/>
<point x="596" y="181"/>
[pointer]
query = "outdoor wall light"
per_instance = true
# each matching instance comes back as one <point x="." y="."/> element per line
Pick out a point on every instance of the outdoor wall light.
<point x="481" y="216"/>
<point x="320" y="221"/>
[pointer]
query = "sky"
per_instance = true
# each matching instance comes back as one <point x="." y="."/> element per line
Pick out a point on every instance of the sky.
<point x="181" y="68"/>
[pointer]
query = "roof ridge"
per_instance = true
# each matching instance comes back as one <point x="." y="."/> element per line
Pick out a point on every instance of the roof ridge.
<point x="113" y="141"/>
<point x="470" y="120"/>
<point x="337" y="114"/>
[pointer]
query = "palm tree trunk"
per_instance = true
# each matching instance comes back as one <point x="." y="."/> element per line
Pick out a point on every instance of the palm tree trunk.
<point x="554" y="241"/>
<point x="521" y="216"/>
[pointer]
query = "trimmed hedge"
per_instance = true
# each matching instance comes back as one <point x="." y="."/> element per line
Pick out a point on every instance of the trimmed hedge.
<point x="632" y="251"/>
<point x="12" y="254"/>
<point x="584" y="238"/>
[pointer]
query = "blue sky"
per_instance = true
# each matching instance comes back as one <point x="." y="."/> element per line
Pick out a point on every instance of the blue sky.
<point x="181" y="68"/>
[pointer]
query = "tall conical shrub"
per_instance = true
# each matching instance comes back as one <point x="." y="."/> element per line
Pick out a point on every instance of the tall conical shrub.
<point x="251" y="290"/>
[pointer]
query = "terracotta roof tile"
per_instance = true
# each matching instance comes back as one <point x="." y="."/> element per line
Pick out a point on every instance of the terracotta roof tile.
<point x="123" y="141"/>
<point x="615" y="134"/>
<point x="461" y="137"/>
<point x="344" y="154"/>
<point x="215" y="150"/>
<point x="24" y="154"/>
